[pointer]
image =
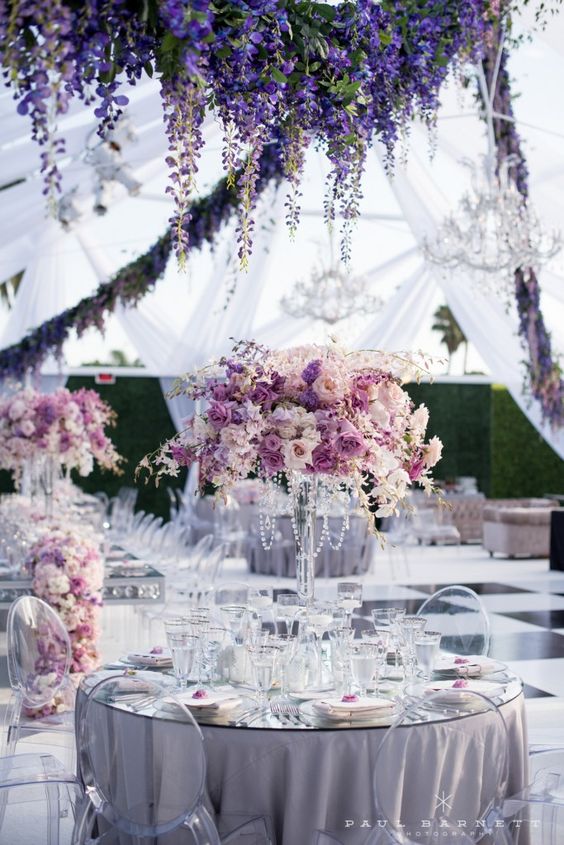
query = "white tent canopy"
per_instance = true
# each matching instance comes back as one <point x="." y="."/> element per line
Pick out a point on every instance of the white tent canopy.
<point x="189" y="318"/>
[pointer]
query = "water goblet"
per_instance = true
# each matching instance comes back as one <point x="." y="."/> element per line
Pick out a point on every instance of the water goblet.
<point x="427" y="645"/>
<point x="262" y="660"/>
<point x="363" y="658"/>
<point x="287" y="606"/>
<point x="340" y="638"/>
<point x="380" y="638"/>
<point x="261" y="599"/>
<point x="217" y="640"/>
<point x="349" y="596"/>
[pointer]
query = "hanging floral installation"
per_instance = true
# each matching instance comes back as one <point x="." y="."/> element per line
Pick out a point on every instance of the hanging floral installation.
<point x="133" y="281"/>
<point x="295" y="72"/>
<point x="545" y="382"/>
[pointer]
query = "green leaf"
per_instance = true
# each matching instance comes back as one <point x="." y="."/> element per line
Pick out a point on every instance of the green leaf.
<point x="278" y="76"/>
<point x="325" y="10"/>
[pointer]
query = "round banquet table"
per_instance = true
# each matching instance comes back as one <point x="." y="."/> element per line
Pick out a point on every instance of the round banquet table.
<point x="306" y="779"/>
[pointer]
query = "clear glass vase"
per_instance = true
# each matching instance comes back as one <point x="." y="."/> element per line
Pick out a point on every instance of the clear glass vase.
<point x="48" y="470"/>
<point x="304" y="503"/>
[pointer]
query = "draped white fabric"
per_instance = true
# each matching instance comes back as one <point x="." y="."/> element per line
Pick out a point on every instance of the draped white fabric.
<point x="483" y="319"/>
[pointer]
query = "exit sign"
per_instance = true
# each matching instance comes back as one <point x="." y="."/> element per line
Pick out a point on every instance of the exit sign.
<point x="105" y="378"/>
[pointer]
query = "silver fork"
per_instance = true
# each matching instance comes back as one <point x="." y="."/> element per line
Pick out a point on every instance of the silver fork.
<point x="279" y="708"/>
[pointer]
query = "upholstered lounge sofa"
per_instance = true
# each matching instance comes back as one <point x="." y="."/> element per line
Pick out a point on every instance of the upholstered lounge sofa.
<point x="517" y="527"/>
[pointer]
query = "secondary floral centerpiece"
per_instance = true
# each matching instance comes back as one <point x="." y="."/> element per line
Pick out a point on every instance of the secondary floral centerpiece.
<point x="68" y="573"/>
<point x="312" y="413"/>
<point x="64" y="428"/>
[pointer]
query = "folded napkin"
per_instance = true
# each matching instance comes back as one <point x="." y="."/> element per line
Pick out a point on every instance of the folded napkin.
<point x="472" y="665"/>
<point x="212" y="701"/>
<point x="148" y="658"/>
<point x="487" y="688"/>
<point x="362" y="706"/>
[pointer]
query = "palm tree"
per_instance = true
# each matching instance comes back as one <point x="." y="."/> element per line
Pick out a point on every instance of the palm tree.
<point x="451" y="333"/>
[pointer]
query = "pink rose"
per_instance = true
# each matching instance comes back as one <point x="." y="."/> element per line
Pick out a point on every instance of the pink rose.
<point x="328" y="388"/>
<point x="298" y="454"/>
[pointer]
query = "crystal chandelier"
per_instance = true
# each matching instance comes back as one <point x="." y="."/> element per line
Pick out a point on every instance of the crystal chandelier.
<point x="330" y="294"/>
<point x="493" y="232"/>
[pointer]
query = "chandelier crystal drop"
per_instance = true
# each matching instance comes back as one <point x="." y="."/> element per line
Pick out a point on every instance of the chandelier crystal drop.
<point x="330" y="294"/>
<point x="493" y="232"/>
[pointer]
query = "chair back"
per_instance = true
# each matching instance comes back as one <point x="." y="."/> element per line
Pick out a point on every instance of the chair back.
<point x="232" y="592"/>
<point x="458" y="613"/>
<point x="441" y="770"/>
<point x="39" y="650"/>
<point x="141" y="756"/>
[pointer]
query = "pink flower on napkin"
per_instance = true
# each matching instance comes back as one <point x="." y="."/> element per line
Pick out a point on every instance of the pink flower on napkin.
<point x="348" y="698"/>
<point x="157" y="649"/>
<point x="200" y="693"/>
<point x="460" y="660"/>
<point x="460" y="684"/>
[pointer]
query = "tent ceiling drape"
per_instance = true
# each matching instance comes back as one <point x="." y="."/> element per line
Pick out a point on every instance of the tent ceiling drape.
<point x="185" y="320"/>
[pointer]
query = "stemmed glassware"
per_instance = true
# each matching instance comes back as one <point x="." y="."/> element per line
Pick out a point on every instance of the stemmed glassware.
<point x="380" y="639"/>
<point x="285" y="645"/>
<point x="199" y="619"/>
<point x="390" y="618"/>
<point x="233" y="615"/>
<point x="340" y="638"/>
<point x="319" y="619"/>
<point x="287" y="606"/>
<point x="263" y="657"/>
<point x="409" y="627"/>
<point x="349" y="597"/>
<point x="183" y="646"/>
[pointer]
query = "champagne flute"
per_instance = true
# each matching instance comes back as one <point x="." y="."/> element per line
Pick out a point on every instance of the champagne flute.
<point x="262" y="660"/>
<point x="349" y="597"/>
<point x="285" y="645"/>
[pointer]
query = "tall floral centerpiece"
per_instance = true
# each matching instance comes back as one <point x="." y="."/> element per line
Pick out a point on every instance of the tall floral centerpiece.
<point x="323" y="416"/>
<point x="40" y="433"/>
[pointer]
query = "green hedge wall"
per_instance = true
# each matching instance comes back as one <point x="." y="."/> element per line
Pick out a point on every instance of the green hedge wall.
<point x="522" y="462"/>
<point x="460" y="414"/>
<point x="484" y="434"/>
<point x="143" y="423"/>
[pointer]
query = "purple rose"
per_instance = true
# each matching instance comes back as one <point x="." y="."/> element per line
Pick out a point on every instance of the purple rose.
<point x="219" y="415"/>
<point x="271" y="442"/>
<point x="349" y="443"/>
<point x="360" y="401"/>
<point x="219" y="392"/>
<point x="78" y="585"/>
<point x="272" y="461"/>
<point x="323" y="458"/>
<point x="262" y="394"/>
<point x="311" y="372"/>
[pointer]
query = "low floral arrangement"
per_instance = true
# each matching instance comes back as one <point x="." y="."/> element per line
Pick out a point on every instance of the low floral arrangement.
<point x="309" y="409"/>
<point x="68" y="573"/>
<point x="67" y="427"/>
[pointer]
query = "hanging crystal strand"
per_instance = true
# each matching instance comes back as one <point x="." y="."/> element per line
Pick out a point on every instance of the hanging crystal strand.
<point x="268" y="513"/>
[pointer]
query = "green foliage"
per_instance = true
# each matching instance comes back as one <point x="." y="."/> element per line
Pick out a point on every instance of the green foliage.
<point x="523" y="464"/>
<point x="143" y="422"/>
<point x="460" y="415"/>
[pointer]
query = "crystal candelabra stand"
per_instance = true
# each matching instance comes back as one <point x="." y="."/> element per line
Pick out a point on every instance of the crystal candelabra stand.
<point x="492" y="233"/>
<point x="331" y="294"/>
<point x="311" y="496"/>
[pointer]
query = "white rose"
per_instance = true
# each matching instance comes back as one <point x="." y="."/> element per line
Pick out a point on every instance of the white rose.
<point x="378" y="413"/>
<point x="433" y="452"/>
<point x="297" y="454"/>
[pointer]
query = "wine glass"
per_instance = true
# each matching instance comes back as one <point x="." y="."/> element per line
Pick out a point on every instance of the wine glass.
<point x="199" y="620"/>
<point x="380" y="638"/>
<point x="262" y="660"/>
<point x="261" y="599"/>
<point x="233" y="615"/>
<point x="340" y="638"/>
<point x="363" y="658"/>
<point x="349" y="596"/>
<point x="409" y="627"/>
<point x="287" y="606"/>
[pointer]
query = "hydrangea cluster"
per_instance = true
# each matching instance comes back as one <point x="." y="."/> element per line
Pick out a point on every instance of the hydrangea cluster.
<point x="68" y="573"/>
<point x="275" y="71"/>
<point x="67" y="427"/>
<point x="308" y="409"/>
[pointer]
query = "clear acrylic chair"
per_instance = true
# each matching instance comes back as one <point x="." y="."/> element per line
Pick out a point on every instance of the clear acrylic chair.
<point x="143" y="763"/>
<point x="39" y="655"/>
<point x="39" y="801"/>
<point x="458" y="613"/>
<point x="441" y="771"/>
<point x="232" y="592"/>
<point x="535" y="816"/>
